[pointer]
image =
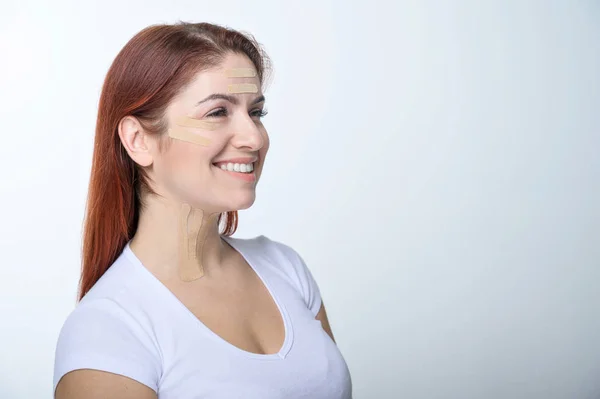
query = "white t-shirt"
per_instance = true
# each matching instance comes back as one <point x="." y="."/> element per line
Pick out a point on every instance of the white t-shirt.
<point x="130" y="324"/>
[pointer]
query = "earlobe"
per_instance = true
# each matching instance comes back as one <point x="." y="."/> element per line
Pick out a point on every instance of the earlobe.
<point x="135" y="140"/>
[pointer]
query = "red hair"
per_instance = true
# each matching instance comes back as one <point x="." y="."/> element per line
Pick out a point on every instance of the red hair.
<point x="146" y="74"/>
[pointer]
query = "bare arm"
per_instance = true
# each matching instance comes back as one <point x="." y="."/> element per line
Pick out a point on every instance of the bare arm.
<point x="322" y="316"/>
<point x="95" y="384"/>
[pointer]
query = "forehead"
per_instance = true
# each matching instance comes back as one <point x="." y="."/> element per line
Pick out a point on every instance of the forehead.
<point x="215" y="80"/>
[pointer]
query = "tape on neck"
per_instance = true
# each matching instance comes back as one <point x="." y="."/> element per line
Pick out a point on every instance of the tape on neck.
<point x="194" y="226"/>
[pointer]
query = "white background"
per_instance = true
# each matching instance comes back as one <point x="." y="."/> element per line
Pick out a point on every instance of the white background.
<point x="435" y="163"/>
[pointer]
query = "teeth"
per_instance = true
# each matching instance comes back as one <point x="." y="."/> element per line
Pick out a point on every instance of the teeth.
<point x="238" y="167"/>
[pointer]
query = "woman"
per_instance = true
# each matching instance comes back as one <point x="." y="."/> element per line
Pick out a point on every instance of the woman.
<point x="170" y="306"/>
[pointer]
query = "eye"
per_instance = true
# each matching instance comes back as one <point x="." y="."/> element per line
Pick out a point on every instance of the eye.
<point x="259" y="113"/>
<point x="217" y="113"/>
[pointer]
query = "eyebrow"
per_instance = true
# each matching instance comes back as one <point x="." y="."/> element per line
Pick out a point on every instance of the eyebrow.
<point x="232" y="99"/>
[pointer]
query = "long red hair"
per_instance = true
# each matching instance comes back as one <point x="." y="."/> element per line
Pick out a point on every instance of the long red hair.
<point x="146" y="74"/>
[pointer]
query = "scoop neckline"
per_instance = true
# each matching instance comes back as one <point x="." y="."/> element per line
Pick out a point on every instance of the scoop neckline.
<point x="288" y="330"/>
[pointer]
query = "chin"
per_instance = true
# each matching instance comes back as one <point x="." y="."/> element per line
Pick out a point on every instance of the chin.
<point x="234" y="203"/>
<point x="244" y="203"/>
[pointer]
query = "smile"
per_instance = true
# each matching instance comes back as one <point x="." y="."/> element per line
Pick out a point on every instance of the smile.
<point x="245" y="171"/>
<point x="237" y="167"/>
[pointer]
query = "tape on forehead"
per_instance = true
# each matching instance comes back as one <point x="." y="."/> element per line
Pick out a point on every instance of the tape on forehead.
<point x="186" y="121"/>
<point x="240" y="73"/>
<point x="184" y="135"/>
<point x="242" y="88"/>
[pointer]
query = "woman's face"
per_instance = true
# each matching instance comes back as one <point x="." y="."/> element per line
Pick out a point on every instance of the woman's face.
<point x="191" y="172"/>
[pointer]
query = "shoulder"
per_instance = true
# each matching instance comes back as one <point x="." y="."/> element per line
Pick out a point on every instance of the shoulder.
<point x="101" y="317"/>
<point x="280" y="255"/>
<point x="265" y="246"/>
<point x="100" y="334"/>
<point x="104" y="331"/>
<point x="118" y="280"/>
<point x="287" y="262"/>
<point x="283" y="249"/>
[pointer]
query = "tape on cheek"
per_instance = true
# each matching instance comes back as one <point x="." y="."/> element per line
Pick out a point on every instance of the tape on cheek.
<point x="184" y="135"/>
<point x="186" y="121"/>
<point x="242" y="88"/>
<point x="240" y="73"/>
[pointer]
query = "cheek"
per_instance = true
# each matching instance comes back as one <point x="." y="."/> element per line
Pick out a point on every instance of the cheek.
<point x="185" y="162"/>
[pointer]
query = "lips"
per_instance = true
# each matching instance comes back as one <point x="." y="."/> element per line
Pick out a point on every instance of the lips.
<point x="245" y="176"/>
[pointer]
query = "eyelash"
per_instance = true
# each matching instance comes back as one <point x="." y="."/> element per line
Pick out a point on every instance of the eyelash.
<point x="261" y="113"/>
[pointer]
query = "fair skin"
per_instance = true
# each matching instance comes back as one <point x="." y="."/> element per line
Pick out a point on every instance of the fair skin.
<point x="229" y="299"/>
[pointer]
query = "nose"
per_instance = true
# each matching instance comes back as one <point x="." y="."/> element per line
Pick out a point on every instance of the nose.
<point x="249" y="134"/>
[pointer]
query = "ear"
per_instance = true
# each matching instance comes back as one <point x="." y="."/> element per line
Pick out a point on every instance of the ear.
<point x="135" y="140"/>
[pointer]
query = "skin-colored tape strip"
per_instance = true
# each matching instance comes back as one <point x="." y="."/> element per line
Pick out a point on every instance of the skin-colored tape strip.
<point x="191" y="122"/>
<point x="242" y="88"/>
<point x="190" y="268"/>
<point x="194" y="225"/>
<point x="240" y="73"/>
<point x="190" y="137"/>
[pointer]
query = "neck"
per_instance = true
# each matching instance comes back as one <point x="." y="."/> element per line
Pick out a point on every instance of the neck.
<point x="176" y="240"/>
